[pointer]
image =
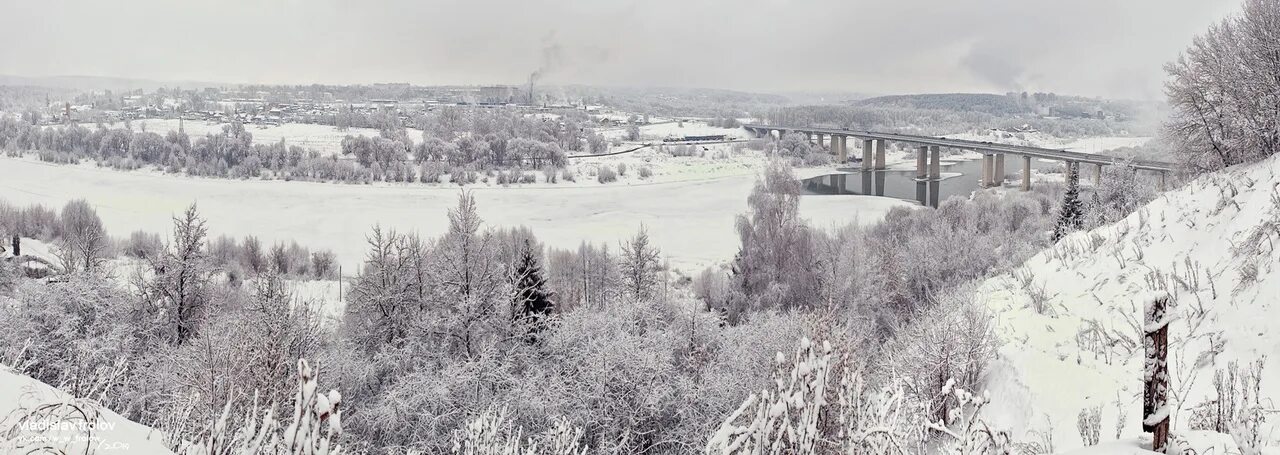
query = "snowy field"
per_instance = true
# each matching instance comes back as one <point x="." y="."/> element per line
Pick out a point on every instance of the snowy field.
<point x="325" y="139"/>
<point x="692" y="220"/>
<point x="1207" y="244"/>
<point x="671" y="129"/>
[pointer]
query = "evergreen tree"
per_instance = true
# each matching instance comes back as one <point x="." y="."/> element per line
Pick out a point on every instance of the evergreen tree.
<point x="1071" y="215"/>
<point x="533" y="303"/>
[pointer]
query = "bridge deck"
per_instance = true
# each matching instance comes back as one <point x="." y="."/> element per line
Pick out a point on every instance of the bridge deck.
<point x="980" y="146"/>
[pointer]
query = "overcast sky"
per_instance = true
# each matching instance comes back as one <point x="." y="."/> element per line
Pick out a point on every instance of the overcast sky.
<point x="1112" y="48"/>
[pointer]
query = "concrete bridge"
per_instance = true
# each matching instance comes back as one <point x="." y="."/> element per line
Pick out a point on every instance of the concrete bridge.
<point x="928" y="151"/>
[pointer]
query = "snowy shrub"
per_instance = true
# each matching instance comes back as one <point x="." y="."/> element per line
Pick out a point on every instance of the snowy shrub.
<point x="1237" y="406"/>
<point x="963" y="430"/>
<point x="622" y="168"/>
<point x="313" y="429"/>
<point x="645" y="172"/>
<point x="432" y="172"/>
<point x="1119" y="195"/>
<point x="322" y="264"/>
<point x="462" y="175"/>
<point x="246" y="347"/>
<point x="784" y="418"/>
<point x="568" y="175"/>
<point x="951" y="343"/>
<point x="549" y="174"/>
<point x="75" y="334"/>
<point x="816" y="158"/>
<point x="795" y="145"/>
<point x="143" y="245"/>
<point x="889" y="420"/>
<point x="491" y="433"/>
<point x="606" y="174"/>
<point x="8" y="277"/>
<point x="1089" y="424"/>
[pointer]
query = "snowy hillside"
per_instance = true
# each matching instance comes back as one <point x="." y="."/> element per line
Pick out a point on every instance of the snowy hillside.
<point x="1070" y="316"/>
<point x="35" y="417"/>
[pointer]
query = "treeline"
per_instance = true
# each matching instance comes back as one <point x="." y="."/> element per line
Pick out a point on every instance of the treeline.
<point x="456" y="144"/>
<point x="926" y="121"/>
<point x="1011" y="104"/>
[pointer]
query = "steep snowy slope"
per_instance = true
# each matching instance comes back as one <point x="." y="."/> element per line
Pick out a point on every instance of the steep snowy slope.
<point x="1070" y="316"/>
<point x="35" y="415"/>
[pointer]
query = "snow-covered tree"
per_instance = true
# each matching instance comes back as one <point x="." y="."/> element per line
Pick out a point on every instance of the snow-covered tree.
<point x="1223" y="90"/>
<point x="533" y="305"/>
<point x="1071" y="212"/>
<point x="178" y="294"/>
<point x="83" y="241"/>
<point x="772" y="268"/>
<point x="795" y="145"/>
<point x="640" y="267"/>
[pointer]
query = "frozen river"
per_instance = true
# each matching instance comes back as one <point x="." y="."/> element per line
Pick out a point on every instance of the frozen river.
<point x="691" y="220"/>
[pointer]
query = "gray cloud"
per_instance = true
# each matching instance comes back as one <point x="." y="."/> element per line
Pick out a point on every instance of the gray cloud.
<point x="1092" y="47"/>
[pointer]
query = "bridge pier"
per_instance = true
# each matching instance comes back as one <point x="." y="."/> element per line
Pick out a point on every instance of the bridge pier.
<point x="820" y="142"/>
<point x="844" y="148"/>
<point x="1026" y="172"/>
<point x="1097" y="175"/>
<point x="866" y="154"/>
<point x="922" y="162"/>
<point x="1162" y="187"/>
<point x="997" y="179"/>
<point x="988" y="168"/>
<point x="935" y="165"/>
<point x="880" y="144"/>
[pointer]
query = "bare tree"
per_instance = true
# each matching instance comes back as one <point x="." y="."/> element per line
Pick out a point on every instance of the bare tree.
<point x="640" y="266"/>
<point x="83" y="238"/>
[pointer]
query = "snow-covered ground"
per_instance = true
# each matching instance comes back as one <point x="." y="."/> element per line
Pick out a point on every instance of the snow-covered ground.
<point x="690" y="216"/>
<point x="676" y="129"/>
<point x="325" y="139"/>
<point x="1210" y="244"/>
<point x="38" y="418"/>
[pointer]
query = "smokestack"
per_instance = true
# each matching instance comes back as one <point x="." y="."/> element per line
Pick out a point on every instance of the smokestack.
<point x="532" y="76"/>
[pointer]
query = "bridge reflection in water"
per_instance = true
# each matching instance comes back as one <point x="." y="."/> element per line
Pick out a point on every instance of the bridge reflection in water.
<point x="960" y="178"/>
<point x="873" y="183"/>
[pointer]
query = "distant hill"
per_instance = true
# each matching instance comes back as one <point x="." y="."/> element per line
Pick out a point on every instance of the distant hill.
<point x="1012" y="104"/>
<point x="981" y="102"/>
<point x="86" y="83"/>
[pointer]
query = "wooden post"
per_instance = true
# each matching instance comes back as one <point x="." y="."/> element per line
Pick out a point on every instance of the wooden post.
<point x="1155" y="374"/>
